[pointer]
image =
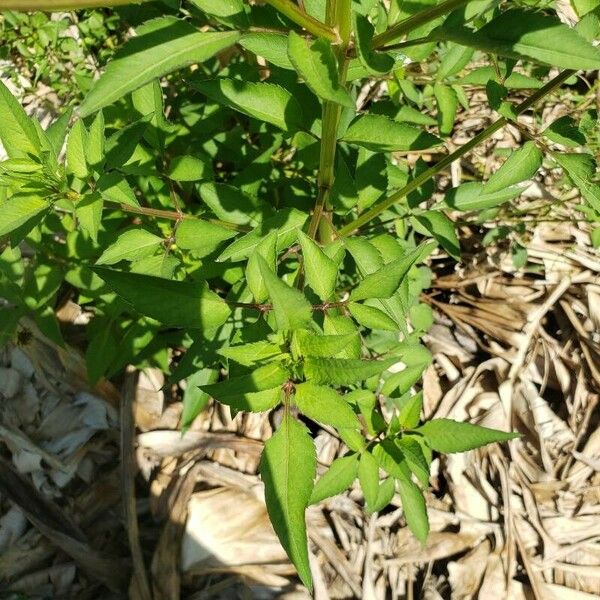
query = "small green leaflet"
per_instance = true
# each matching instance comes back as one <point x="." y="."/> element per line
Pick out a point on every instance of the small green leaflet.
<point x="292" y="310"/>
<point x="375" y="63"/>
<point x="321" y="271"/>
<point x="385" y="494"/>
<point x="17" y="131"/>
<point x="339" y="477"/>
<point x="267" y="249"/>
<point x="88" y="210"/>
<point x="316" y="64"/>
<point x="368" y="476"/>
<point x="201" y="237"/>
<point x="272" y="46"/>
<point x="288" y="469"/>
<point x="194" y="398"/>
<point x="521" y="165"/>
<point x="257" y="392"/>
<point x="565" y="131"/>
<point x="263" y="101"/>
<point x="410" y="410"/>
<point x="442" y="228"/>
<point x="130" y="245"/>
<point x="76" y="150"/>
<point x="174" y="303"/>
<point x="20" y="209"/>
<point x="515" y="80"/>
<point x="384" y="282"/>
<point x="417" y="463"/>
<point x="114" y="188"/>
<point x="519" y="33"/>
<point x="342" y="325"/>
<point x="380" y="134"/>
<point x="447" y="103"/>
<point x="340" y="371"/>
<point x="325" y="405"/>
<point x="472" y="196"/>
<point x="252" y="353"/>
<point x="581" y="168"/>
<point x="161" y="46"/>
<point x="189" y="168"/>
<point x="372" y="317"/>
<point x="415" y="509"/>
<point x="229" y="12"/>
<point x="313" y="344"/>
<point x="446" y="435"/>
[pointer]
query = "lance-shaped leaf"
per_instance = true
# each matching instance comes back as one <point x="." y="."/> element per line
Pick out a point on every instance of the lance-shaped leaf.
<point x="521" y="165"/>
<point x="272" y="46"/>
<point x="524" y="34"/>
<point x="325" y="405"/>
<point x="267" y="249"/>
<point x="415" y="509"/>
<point x="316" y="64"/>
<point x="161" y="46"/>
<point x="472" y="196"/>
<point x="132" y="244"/>
<point x="257" y="392"/>
<point x="201" y="237"/>
<point x="385" y="494"/>
<point x="581" y="168"/>
<point x="263" y="101"/>
<point x="174" y="303"/>
<point x="76" y="150"/>
<point x="447" y="435"/>
<point x="447" y="103"/>
<point x="252" y="353"/>
<point x="368" y="476"/>
<point x="372" y="317"/>
<point x="18" y="133"/>
<point x="229" y="12"/>
<point x="288" y="469"/>
<point x="384" y="282"/>
<point x="442" y="228"/>
<point x="380" y="134"/>
<point x="313" y="344"/>
<point x="20" y="209"/>
<point x="415" y="459"/>
<point x="342" y="325"/>
<point x="292" y="310"/>
<point x="340" y="371"/>
<point x="320" y="270"/>
<point x="374" y="62"/>
<point x="339" y="477"/>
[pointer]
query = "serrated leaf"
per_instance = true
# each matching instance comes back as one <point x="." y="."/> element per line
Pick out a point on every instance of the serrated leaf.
<point x="20" y="209"/>
<point x="316" y="64"/>
<point x="472" y="196"/>
<point x="338" y="478"/>
<point x="131" y="245"/>
<point x="565" y="131"/>
<point x="76" y="150"/>
<point x="380" y="134"/>
<point x="342" y="325"/>
<point x="442" y="228"/>
<point x="409" y="412"/>
<point x="325" y="405"/>
<point x="313" y="344"/>
<point x="263" y="101"/>
<point x="340" y="371"/>
<point x="201" y="237"/>
<point x="520" y="166"/>
<point x="251" y="353"/>
<point x="174" y="303"/>
<point x="403" y="380"/>
<point x="292" y="310"/>
<point x="288" y="469"/>
<point x="374" y="62"/>
<point x="229" y="12"/>
<point x="368" y="476"/>
<point x="366" y="403"/>
<point x="385" y="494"/>
<point x="320" y="270"/>
<point x="257" y="392"/>
<point x="447" y="435"/>
<point x="581" y="169"/>
<point x="272" y="46"/>
<point x="384" y="282"/>
<point x="189" y="168"/>
<point x="194" y="398"/>
<point x="114" y="188"/>
<point x="372" y="317"/>
<point x="267" y="249"/>
<point x="162" y="45"/>
<point x="89" y="213"/>
<point x="417" y="463"/>
<point x="17" y="131"/>
<point x="415" y="509"/>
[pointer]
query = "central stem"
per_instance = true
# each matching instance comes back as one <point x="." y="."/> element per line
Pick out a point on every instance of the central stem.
<point x="339" y="18"/>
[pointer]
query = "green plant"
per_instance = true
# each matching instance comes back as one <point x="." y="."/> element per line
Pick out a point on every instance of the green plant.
<point x="270" y="230"/>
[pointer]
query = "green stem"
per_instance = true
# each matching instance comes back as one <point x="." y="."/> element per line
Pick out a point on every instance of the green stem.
<point x="417" y="182"/>
<point x="421" y="18"/>
<point x="293" y="12"/>
<point x="339" y="15"/>
<point x="55" y="5"/>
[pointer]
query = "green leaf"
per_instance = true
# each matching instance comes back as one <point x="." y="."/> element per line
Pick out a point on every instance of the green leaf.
<point x="339" y="477"/>
<point x="194" y="398"/>
<point x="271" y="46"/>
<point x="313" y="344"/>
<point x="366" y="402"/>
<point x="292" y="310"/>
<point x="267" y="249"/>
<point x="266" y="102"/>
<point x="340" y="371"/>
<point x="324" y="405"/>
<point x="114" y="188"/>
<point x="161" y="46"/>
<point x="565" y="131"/>
<point x="403" y="380"/>
<point x="231" y="204"/>
<point x="372" y="317"/>
<point x="374" y="62"/>
<point x="515" y="80"/>
<point x="251" y="353"/>
<point x="415" y="509"/>
<point x="454" y="61"/>
<point x="174" y="303"/>
<point x="417" y="463"/>
<point x="446" y="435"/>
<point x="442" y="229"/>
<point x="288" y="468"/>
<point x="384" y="282"/>
<point x="88" y="210"/>
<point x="188" y="168"/>
<point x="385" y="494"/>
<point x="201" y="237"/>
<point x="581" y="168"/>
<point x="320" y="270"/>
<point x="56" y="132"/>
<point x="19" y="210"/>
<point x="76" y="150"/>
<point x="257" y="392"/>
<point x="341" y="325"/>
<point x="17" y="131"/>
<point x="472" y="196"/>
<point x="368" y="476"/>
<point x="316" y="64"/>
<point x="409" y="412"/>
<point x="130" y="245"/>
<point x="94" y="152"/>
<point x="229" y="12"/>
<point x="521" y="165"/>
<point x="447" y="103"/>
<point x="380" y="134"/>
<point x="519" y="33"/>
